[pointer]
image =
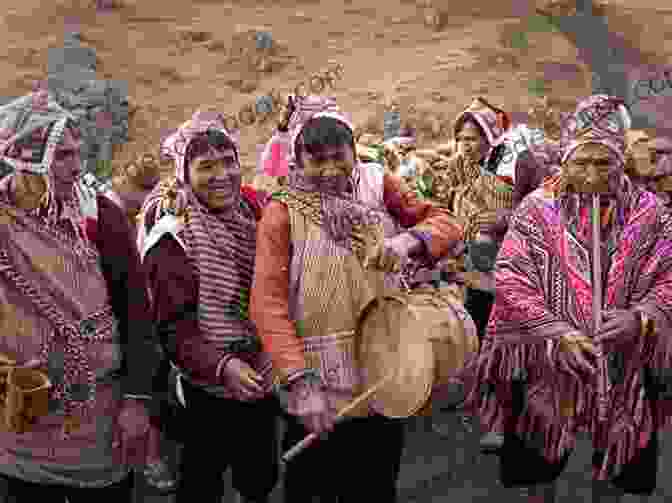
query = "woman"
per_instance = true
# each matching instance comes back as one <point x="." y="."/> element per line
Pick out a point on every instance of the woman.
<point x="197" y="237"/>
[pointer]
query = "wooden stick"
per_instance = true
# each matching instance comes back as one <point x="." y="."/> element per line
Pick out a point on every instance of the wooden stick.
<point x="309" y="439"/>
<point x="597" y="264"/>
<point x="603" y="376"/>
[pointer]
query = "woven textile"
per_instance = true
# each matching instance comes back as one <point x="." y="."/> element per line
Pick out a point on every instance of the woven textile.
<point x="479" y="202"/>
<point x="598" y="118"/>
<point x="473" y="196"/>
<point x="544" y="290"/>
<point x="31" y="127"/>
<point x="329" y="288"/>
<point x="55" y="306"/>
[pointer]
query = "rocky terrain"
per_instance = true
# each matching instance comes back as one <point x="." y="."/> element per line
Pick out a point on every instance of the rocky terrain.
<point x="426" y="59"/>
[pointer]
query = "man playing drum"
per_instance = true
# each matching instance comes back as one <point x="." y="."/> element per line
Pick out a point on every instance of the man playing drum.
<point x="307" y="294"/>
<point x="555" y="361"/>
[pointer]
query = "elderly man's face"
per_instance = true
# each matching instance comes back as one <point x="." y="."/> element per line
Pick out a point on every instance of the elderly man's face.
<point x="67" y="164"/>
<point x="590" y="168"/>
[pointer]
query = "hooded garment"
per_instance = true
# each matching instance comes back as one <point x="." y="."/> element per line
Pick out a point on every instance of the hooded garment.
<point x="56" y="293"/>
<point x="278" y="156"/>
<point x="492" y="120"/>
<point x="221" y="251"/>
<point x="544" y="291"/>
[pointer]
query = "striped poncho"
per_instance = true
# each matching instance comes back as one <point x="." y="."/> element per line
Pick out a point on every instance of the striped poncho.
<point x="544" y="291"/>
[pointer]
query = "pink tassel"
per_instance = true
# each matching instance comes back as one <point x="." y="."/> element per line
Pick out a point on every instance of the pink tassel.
<point x="275" y="161"/>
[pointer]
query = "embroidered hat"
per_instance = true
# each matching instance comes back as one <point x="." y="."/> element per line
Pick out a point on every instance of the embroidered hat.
<point x="176" y="144"/>
<point x="279" y="154"/>
<point x="492" y="120"/>
<point x="599" y="119"/>
<point x="30" y="129"/>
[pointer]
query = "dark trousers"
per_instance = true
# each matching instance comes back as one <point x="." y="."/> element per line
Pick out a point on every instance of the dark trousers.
<point x="19" y="491"/>
<point x="223" y="433"/>
<point x="358" y="461"/>
<point x="478" y="304"/>
<point x="523" y="465"/>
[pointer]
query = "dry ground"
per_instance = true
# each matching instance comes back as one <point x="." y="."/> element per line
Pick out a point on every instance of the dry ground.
<point x="177" y="56"/>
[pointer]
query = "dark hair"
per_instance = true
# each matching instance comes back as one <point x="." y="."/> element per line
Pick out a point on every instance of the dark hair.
<point x="469" y="119"/>
<point x="210" y="140"/>
<point x="323" y="131"/>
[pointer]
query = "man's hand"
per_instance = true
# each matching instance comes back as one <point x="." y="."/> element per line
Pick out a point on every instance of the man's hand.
<point x="394" y="253"/>
<point x="578" y="355"/>
<point x="310" y="404"/>
<point x="243" y="380"/>
<point x="131" y="432"/>
<point x="620" y="329"/>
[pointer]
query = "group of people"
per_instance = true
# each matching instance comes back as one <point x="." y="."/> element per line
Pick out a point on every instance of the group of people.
<point x="252" y="299"/>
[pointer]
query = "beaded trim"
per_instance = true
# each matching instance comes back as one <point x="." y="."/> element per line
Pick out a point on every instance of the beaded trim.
<point x="309" y="204"/>
<point x="85" y="254"/>
<point x="94" y="328"/>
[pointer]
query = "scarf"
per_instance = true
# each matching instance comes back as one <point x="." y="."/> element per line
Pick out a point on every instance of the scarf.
<point x="340" y="211"/>
<point x="37" y="117"/>
<point x="221" y="249"/>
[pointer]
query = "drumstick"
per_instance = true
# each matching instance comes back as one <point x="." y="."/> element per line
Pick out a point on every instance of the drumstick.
<point x="309" y="439"/>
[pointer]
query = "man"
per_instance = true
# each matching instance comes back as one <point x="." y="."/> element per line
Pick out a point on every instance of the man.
<point x="74" y="306"/>
<point x="131" y="187"/>
<point x="128" y="188"/>
<point x="197" y="237"/>
<point x="660" y="150"/>
<point x="541" y="368"/>
<point x="309" y="288"/>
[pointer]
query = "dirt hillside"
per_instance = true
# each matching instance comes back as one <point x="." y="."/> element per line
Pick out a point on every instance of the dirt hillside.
<point x="177" y="56"/>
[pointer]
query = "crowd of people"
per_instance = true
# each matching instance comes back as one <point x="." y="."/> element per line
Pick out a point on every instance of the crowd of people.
<point x="198" y="310"/>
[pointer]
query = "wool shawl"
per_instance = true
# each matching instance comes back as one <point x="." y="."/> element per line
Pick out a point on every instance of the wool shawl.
<point x="544" y="291"/>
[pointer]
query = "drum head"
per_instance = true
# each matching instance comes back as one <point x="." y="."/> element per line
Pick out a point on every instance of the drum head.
<point x="383" y="351"/>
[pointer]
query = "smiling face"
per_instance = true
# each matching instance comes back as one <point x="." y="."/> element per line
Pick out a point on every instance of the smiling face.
<point x="591" y="169"/>
<point x="216" y="179"/>
<point x="328" y="167"/>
